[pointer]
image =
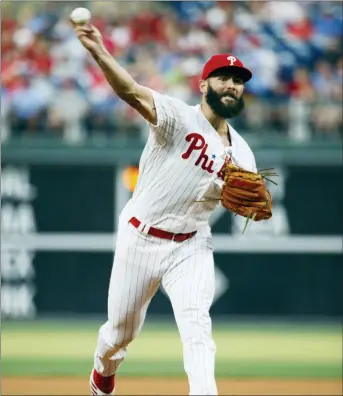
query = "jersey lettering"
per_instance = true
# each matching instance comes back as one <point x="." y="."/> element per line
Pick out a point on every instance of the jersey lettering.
<point x="198" y="143"/>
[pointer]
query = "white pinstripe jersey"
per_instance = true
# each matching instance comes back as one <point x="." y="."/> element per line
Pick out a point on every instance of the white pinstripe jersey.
<point x="180" y="165"/>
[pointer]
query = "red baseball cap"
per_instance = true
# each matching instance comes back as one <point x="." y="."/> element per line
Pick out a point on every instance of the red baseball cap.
<point x="226" y="60"/>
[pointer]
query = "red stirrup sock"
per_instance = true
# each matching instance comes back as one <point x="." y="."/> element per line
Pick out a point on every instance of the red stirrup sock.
<point x="105" y="384"/>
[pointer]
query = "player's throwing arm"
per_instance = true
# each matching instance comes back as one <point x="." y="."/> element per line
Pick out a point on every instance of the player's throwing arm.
<point x="123" y="84"/>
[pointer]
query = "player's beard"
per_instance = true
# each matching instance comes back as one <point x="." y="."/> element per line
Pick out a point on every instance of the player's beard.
<point x="223" y="110"/>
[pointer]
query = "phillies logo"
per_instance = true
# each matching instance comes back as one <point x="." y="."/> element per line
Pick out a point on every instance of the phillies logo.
<point x="198" y="143"/>
<point x="232" y="60"/>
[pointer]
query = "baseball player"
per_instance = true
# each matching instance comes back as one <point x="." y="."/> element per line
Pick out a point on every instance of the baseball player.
<point x="192" y="160"/>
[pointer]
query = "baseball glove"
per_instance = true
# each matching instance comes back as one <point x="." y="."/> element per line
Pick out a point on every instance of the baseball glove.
<point x="244" y="193"/>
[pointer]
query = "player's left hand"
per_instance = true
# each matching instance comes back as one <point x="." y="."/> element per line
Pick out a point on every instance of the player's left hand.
<point x="245" y="193"/>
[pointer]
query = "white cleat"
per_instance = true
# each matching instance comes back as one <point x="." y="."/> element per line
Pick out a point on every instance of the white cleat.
<point x="95" y="391"/>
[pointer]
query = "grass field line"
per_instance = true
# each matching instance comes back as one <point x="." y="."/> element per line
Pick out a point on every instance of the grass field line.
<point x="54" y="326"/>
<point x="166" y="345"/>
<point x="165" y="368"/>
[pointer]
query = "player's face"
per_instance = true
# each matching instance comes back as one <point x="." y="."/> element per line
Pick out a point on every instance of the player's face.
<point x="225" y="95"/>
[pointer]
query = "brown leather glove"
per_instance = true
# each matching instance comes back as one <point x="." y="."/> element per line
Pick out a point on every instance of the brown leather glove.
<point x="245" y="193"/>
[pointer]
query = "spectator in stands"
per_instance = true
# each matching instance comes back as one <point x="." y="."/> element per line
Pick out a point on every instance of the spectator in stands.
<point x="29" y="102"/>
<point x="327" y="116"/>
<point x="165" y="49"/>
<point x="301" y="87"/>
<point x="67" y="107"/>
<point x="324" y="80"/>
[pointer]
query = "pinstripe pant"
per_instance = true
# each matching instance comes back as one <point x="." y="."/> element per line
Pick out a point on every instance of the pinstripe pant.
<point x="186" y="271"/>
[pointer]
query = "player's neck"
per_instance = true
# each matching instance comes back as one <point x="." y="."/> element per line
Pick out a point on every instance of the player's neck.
<point x="218" y="123"/>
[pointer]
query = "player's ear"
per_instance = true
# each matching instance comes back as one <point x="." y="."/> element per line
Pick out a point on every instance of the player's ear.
<point x="203" y="86"/>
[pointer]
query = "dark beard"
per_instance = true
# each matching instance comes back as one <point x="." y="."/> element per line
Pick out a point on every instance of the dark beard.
<point x="221" y="109"/>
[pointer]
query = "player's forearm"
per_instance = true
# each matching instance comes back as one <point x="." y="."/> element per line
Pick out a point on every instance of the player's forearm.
<point x="119" y="79"/>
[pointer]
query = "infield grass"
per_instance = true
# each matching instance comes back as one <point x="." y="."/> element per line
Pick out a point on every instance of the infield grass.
<point x="48" y="348"/>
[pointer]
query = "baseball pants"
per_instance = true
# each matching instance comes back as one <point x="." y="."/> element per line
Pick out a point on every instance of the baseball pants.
<point x="186" y="271"/>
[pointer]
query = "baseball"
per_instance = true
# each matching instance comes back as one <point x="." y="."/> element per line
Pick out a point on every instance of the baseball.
<point x="80" y="15"/>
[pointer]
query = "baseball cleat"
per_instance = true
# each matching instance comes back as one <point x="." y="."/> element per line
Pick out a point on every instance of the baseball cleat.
<point x="107" y="384"/>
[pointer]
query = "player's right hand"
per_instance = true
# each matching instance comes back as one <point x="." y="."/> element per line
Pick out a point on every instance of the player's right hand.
<point x="90" y="37"/>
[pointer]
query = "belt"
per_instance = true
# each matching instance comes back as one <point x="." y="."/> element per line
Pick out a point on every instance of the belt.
<point x="156" y="232"/>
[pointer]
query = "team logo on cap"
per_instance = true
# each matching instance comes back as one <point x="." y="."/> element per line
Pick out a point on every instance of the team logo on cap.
<point x="232" y="60"/>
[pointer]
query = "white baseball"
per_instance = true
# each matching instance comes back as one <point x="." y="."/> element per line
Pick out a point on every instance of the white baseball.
<point x="80" y="15"/>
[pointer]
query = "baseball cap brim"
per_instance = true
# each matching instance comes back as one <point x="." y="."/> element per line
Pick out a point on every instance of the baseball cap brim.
<point x="241" y="72"/>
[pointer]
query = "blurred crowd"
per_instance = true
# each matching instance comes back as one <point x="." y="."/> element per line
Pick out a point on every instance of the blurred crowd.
<point x="52" y="87"/>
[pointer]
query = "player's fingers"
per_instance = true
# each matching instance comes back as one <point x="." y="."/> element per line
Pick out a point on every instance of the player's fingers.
<point x="83" y="33"/>
<point x="95" y="30"/>
<point x="83" y="29"/>
<point x="88" y="29"/>
<point x="78" y="26"/>
<point x="83" y="36"/>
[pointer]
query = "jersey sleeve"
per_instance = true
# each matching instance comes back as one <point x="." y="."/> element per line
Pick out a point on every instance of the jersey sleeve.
<point x="246" y="158"/>
<point x="253" y="165"/>
<point x="171" y="115"/>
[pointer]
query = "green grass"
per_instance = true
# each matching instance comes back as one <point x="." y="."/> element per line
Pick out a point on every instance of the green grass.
<point x="243" y="350"/>
<point x="225" y="369"/>
<point x="152" y="327"/>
